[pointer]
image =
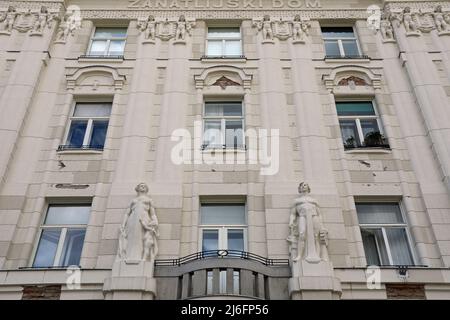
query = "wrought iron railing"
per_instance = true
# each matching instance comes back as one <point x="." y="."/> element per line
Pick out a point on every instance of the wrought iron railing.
<point x="235" y="254"/>
<point x="224" y="146"/>
<point x="224" y="57"/>
<point x="89" y="56"/>
<point x="65" y="147"/>
<point x="347" y="57"/>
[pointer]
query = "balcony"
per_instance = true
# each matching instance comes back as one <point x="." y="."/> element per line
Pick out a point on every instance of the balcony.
<point x="67" y="147"/>
<point x="223" y="147"/>
<point x="350" y="57"/>
<point x="372" y="140"/>
<point x="222" y="274"/>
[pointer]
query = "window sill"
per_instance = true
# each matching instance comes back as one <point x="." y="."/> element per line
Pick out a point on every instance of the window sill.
<point x="84" y="150"/>
<point x="216" y="59"/>
<point x="224" y="150"/>
<point x="337" y="59"/>
<point x="369" y="150"/>
<point x="105" y="59"/>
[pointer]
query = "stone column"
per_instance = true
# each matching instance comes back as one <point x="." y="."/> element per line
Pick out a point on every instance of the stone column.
<point x="317" y="170"/>
<point x="417" y="136"/>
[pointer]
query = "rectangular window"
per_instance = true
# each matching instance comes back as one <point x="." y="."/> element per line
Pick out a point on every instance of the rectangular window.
<point x="88" y="126"/>
<point x="223" y="227"/>
<point x="384" y="234"/>
<point x="360" y="125"/>
<point x="340" y="42"/>
<point x="223" y="125"/>
<point x="108" y="42"/>
<point x="62" y="236"/>
<point x="224" y="42"/>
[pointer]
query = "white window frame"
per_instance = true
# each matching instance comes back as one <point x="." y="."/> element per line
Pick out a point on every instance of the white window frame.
<point x="358" y="119"/>
<point x="62" y="236"/>
<point x="383" y="226"/>
<point x="224" y="41"/>
<point x="108" y="40"/>
<point x="223" y="120"/>
<point x="90" y="120"/>
<point x="339" y="40"/>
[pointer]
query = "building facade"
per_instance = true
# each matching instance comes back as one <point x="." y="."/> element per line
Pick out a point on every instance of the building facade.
<point x="222" y="108"/>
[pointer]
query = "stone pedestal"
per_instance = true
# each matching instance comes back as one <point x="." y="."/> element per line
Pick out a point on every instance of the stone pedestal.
<point x="131" y="280"/>
<point x="314" y="281"/>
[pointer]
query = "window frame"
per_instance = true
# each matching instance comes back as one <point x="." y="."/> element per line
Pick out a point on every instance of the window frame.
<point x="357" y="119"/>
<point x="223" y="120"/>
<point x="383" y="226"/>
<point x="62" y="236"/>
<point x="108" y="41"/>
<point x="339" y="40"/>
<point x="223" y="55"/>
<point x="89" y="126"/>
<point x="223" y="228"/>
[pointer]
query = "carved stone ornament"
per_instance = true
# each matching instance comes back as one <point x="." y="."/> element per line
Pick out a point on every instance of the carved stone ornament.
<point x="24" y="21"/>
<point x="68" y="23"/>
<point x="283" y="29"/>
<point x="7" y="20"/>
<point x="308" y="239"/>
<point x="224" y="82"/>
<point x="139" y="232"/>
<point x="352" y="81"/>
<point x="442" y="21"/>
<point x="165" y="29"/>
<point x="147" y="26"/>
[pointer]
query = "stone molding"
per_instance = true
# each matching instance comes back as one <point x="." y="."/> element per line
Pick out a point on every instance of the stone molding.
<point x="87" y="76"/>
<point x="210" y="75"/>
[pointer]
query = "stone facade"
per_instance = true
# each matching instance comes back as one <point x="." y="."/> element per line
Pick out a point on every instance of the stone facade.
<point x="285" y="80"/>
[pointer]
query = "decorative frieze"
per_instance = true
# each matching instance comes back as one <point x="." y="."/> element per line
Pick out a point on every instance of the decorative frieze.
<point x="26" y="20"/>
<point x="283" y="29"/>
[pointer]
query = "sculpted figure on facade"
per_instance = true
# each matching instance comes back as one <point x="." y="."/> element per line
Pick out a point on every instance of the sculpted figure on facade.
<point x="409" y="20"/>
<point x="442" y="24"/>
<point x="299" y="29"/>
<point x="7" y="19"/>
<point x="387" y="32"/>
<point x="183" y="27"/>
<point x="139" y="231"/>
<point x="69" y="22"/>
<point x="266" y="27"/>
<point x="43" y="19"/>
<point x="308" y="238"/>
<point x="148" y="27"/>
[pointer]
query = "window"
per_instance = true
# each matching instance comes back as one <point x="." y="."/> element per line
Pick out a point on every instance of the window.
<point x="223" y="125"/>
<point x="340" y="42"/>
<point x="62" y="236"/>
<point x="108" y="42"/>
<point x="88" y="126"/>
<point x="224" y="42"/>
<point x="223" y="226"/>
<point x="384" y="234"/>
<point x="360" y="125"/>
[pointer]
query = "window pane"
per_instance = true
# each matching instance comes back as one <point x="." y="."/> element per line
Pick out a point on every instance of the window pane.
<point x="116" y="48"/>
<point x="62" y="215"/>
<point x="369" y="126"/>
<point x="212" y="134"/>
<point x="214" y="48"/>
<point x="98" y="135"/>
<point x="357" y="108"/>
<point x="332" y="48"/>
<point x="398" y="244"/>
<point x="370" y="213"/>
<point x="223" y="281"/>
<point x="233" y="133"/>
<point x="76" y="133"/>
<point x="98" y="47"/>
<point x="230" y="109"/>
<point x="374" y="247"/>
<point x="339" y="33"/>
<point x="222" y="214"/>
<point x="350" y="47"/>
<point x="370" y="247"/>
<point x="45" y="254"/>
<point x="88" y="110"/>
<point x="209" y="282"/>
<point x="236" y="239"/>
<point x="210" y="240"/>
<point x="223" y="33"/>
<point x="109" y="33"/>
<point x="349" y="133"/>
<point x="73" y="245"/>
<point x="236" y="282"/>
<point x="233" y="48"/>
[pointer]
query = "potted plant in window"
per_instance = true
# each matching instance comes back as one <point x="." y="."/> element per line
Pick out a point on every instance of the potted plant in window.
<point x="374" y="139"/>
<point x="350" y="143"/>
